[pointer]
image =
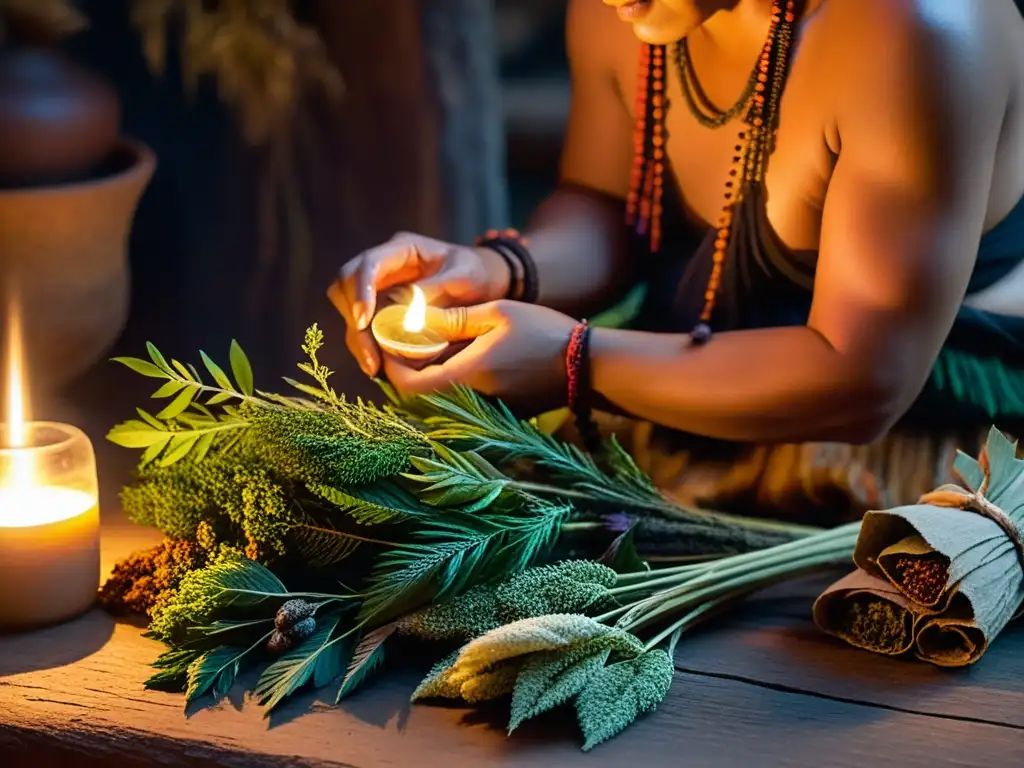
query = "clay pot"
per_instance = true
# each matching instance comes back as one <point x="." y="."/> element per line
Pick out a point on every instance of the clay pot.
<point x="58" y="121"/>
<point x="63" y="253"/>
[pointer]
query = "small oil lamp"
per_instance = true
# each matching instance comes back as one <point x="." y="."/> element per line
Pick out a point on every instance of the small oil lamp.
<point x="410" y="331"/>
<point x="49" y="511"/>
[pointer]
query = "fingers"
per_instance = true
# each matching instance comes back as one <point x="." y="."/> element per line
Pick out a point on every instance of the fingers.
<point x="463" y="323"/>
<point x="403" y="259"/>
<point x="433" y="378"/>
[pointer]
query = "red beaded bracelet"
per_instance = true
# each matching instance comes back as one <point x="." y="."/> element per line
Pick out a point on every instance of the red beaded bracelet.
<point x="577" y="373"/>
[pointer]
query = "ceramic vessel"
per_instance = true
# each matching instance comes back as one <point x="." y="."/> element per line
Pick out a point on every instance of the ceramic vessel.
<point x="63" y="254"/>
<point x="58" y="121"/>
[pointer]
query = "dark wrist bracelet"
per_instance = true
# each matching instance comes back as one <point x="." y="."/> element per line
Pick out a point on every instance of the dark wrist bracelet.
<point x="577" y="372"/>
<point x="509" y="244"/>
<point x="515" y="282"/>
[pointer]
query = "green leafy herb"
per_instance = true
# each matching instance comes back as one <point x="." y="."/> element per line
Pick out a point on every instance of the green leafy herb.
<point x="617" y="694"/>
<point x="320" y="655"/>
<point x="366" y="659"/>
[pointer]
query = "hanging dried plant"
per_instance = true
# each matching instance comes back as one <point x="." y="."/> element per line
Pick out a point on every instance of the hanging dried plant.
<point x="262" y="59"/>
<point x="24" y="21"/>
<point x="264" y="63"/>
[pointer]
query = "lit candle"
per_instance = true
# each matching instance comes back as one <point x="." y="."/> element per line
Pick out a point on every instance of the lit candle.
<point x="405" y="331"/>
<point x="49" y="513"/>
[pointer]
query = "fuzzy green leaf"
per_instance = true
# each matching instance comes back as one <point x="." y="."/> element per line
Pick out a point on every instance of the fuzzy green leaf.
<point x="366" y="660"/>
<point x="436" y="685"/>
<point x="491" y="684"/>
<point x="141" y="367"/>
<point x="557" y="632"/>
<point x="241" y="369"/>
<point x="549" y="679"/>
<point x="619" y="693"/>
<point x="217" y="372"/>
<point x="298" y="666"/>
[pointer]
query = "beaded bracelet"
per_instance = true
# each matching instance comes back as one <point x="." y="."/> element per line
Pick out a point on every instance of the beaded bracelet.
<point x="577" y="371"/>
<point x="509" y="244"/>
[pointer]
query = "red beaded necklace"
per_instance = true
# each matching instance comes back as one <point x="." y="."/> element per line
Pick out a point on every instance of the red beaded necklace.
<point x="754" y="145"/>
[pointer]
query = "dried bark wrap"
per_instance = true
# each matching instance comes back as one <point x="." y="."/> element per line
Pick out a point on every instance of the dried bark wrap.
<point x="984" y="578"/>
<point x="869" y="613"/>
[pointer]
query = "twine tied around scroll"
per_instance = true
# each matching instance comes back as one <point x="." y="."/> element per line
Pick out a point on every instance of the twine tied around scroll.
<point x="974" y="501"/>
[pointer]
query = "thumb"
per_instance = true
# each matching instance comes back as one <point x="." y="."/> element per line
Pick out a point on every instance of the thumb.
<point x="464" y="323"/>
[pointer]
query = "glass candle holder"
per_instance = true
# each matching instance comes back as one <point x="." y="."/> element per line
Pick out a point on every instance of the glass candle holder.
<point x="49" y="526"/>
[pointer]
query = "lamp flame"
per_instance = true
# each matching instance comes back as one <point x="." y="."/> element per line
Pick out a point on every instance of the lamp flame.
<point x="19" y="470"/>
<point x="416" y="314"/>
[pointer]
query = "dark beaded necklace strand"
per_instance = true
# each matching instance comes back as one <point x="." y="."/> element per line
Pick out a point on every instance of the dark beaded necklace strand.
<point x="754" y="145"/>
<point x="706" y="113"/>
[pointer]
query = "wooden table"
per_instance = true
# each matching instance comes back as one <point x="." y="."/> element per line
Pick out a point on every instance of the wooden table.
<point x="761" y="688"/>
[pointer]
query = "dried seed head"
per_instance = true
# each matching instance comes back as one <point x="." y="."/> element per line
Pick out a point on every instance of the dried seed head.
<point x="303" y="629"/>
<point x="873" y="623"/>
<point x="292" y="612"/>
<point x="922" y="578"/>
<point x="279" y="642"/>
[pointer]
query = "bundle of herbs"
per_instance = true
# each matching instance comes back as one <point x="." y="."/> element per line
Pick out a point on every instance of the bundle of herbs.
<point x="939" y="579"/>
<point x="442" y="519"/>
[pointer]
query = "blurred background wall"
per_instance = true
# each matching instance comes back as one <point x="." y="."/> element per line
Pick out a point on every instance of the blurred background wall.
<point x="450" y="122"/>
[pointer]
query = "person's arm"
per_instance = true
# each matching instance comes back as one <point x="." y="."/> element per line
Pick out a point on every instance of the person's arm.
<point x="576" y="239"/>
<point x="919" y="124"/>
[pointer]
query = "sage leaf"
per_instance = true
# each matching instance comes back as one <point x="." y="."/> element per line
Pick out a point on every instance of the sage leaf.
<point x="621" y="692"/>
<point x="542" y="633"/>
<point x="492" y="684"/>
<point x="550" y="679"/>
<point x="436" y="684"/>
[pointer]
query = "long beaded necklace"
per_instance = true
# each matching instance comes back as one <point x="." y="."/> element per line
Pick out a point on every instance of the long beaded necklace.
<point x="754" y="144"/>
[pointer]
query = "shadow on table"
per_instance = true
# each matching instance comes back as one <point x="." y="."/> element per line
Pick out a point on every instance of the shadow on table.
<point x="55" y="646"/>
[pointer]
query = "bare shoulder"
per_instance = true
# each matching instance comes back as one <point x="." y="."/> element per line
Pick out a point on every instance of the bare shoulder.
<point x="597" y="38"/>
<point x="973" y="47"/>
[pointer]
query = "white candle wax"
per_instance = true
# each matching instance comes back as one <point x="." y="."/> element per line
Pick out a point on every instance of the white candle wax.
<point x="49" y="554"/>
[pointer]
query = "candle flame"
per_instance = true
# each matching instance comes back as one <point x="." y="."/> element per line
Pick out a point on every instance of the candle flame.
<point x="19" y="469"/>
<point x="416" y="314"/>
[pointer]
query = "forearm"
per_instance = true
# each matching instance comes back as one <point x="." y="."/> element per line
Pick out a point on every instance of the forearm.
<point x="777" y="385"/>
<point x="578" y="241"/>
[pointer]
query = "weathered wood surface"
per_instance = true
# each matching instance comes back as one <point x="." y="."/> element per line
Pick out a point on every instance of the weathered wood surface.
<point x="760" y="687"/>
<point x="750" y="691"/>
